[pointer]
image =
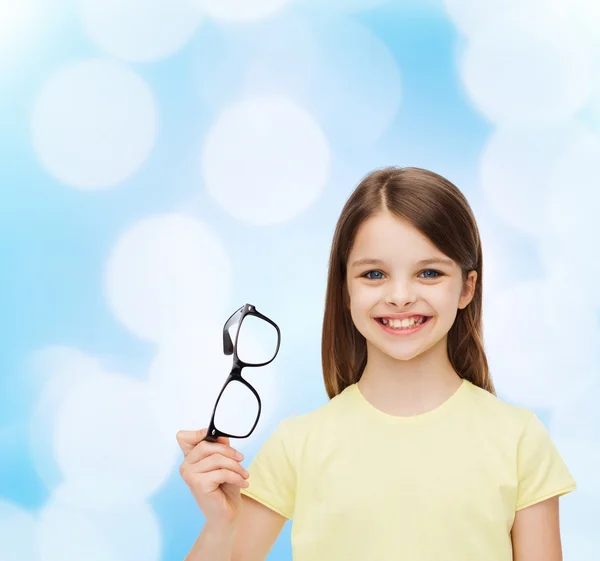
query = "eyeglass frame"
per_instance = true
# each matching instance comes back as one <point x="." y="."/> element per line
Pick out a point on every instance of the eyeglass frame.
<point x="230" y="347"/>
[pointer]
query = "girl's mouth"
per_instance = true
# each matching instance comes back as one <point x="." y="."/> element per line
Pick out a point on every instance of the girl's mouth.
<point x="402" y="330"/>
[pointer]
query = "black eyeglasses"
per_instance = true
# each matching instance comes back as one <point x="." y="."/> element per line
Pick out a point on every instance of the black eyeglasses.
<point x="254" y="341"/>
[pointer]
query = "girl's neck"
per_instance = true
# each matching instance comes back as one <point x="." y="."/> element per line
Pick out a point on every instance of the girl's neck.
<point x="407" y="388"/>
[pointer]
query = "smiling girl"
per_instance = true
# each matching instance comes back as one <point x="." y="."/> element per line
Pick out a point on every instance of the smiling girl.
<point x="414" y="457"/>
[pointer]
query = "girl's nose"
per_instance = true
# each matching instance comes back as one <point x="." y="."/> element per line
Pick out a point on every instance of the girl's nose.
<point x="400" y="295"/>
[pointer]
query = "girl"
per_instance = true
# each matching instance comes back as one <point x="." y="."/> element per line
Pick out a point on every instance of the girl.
<point x="414" y="457"/>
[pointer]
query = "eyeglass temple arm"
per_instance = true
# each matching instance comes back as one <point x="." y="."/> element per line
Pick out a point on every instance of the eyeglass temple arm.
<point x="227" y="342"/>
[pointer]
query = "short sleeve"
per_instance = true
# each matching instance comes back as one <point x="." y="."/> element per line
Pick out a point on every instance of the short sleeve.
<point x="272" y="480"/>
<point x="541" y="470"/>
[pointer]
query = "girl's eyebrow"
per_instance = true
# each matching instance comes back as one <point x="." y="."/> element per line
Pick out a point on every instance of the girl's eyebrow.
<point x="430" y="261"/>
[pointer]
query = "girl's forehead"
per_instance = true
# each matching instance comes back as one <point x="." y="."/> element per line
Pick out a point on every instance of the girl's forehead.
<point x="387" y="233"/>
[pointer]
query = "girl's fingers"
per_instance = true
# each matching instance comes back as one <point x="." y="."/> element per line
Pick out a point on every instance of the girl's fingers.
<point x="216" y="462"/>
<point x="204" y="449"/>
<point x="220" y="476"/>
<point x="188" y="439"/>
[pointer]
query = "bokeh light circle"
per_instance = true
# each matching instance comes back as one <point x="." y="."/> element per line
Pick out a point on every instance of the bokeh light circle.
<point x="166" y="273"/>
<point x="516" y="170"/>
<point x="140" y="30"/>
<point x="240" y="10"/>
<point x="541" y="75"/>
<point x="265" y="160"/>
<point x="93" y="123"/>
<point x="105" y="434"/>
<point x="17" y="526"/>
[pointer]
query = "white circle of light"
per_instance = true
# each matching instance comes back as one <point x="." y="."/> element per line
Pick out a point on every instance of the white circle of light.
<point x="574" y="199"/>
<point x="105" y="432"/>
<point x="265" y="160"/>
<point x="93" y="123"/>
<point x="167" y="273"/>
<point x="124" y="533"/>
<point x="541" y="75"/>
<point x="65" y="534"/>
<point x="262" y="58"/>
<point x="357" y="85"/>
<point x="240" y="10"/>
<point x="17" y="526"/>
<point x="469" y="16"/>
<point x="54" y="370"/>
<point x="338" y="6"/>
<point x="140" y="30"/>
<point x="530" y="350"/>
<point x="516" y="170"/>
<point x="571" y="210"/>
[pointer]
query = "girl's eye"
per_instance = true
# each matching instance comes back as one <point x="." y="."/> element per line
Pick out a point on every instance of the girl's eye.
<point x="437" y="273"/>
<point x="371" y="278"/>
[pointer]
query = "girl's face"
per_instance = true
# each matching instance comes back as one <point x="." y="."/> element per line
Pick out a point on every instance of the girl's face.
<point x="399" y="280"/>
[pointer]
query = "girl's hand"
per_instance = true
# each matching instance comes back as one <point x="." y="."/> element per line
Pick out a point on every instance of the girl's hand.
<point x="214" y="475"/>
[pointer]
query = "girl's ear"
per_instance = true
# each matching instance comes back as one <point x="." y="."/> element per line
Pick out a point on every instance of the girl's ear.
<point x="468" y="290"/>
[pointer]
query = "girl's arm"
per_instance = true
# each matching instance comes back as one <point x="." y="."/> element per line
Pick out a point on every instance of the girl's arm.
<point x="252" y="540"/>
<point x="257" y="532"/>
<point x="536" y="532"/>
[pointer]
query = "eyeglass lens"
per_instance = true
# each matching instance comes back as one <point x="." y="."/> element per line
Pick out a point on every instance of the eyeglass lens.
<point x="256" y="341"/>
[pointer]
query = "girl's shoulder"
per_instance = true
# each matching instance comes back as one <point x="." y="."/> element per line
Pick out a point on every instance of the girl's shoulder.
<point x="330" y="411"/>
<point x="496" y="410"/>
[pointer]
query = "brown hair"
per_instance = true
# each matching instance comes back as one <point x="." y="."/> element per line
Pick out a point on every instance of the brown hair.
<point x="439" y="210"/>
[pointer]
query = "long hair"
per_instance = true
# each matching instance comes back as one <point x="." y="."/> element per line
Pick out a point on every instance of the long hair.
<point x="439" y="210"/>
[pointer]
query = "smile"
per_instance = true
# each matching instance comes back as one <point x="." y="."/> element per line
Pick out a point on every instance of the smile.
<point x="402" y="330"/>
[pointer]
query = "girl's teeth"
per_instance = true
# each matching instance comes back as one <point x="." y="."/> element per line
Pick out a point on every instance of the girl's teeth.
<point x="403" y="324"/>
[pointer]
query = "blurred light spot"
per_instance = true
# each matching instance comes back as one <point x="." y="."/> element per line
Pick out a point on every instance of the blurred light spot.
<point x="595" y="113"/>
<point x="356" y="84"/>
<point x="54" y="370"/>
<point x="470" y="15"/>
<point x="140" y="30"/>
<point x="337" y="6"/>
<point x="532" y="355"/>
<point x="131" y="532"/>
<point x="18" y="25"/>
<point x="274" y="56"/>
<point x="583" y="17"/>
<point x="574" y="199"/>
<point x="499" y="256"/>
<point x="108" y="444"/>
<point x="571" y="211"/>
<point x="541" y="75"/>
<point x="17" y="526"/>
<point x="516" y="170"/>
<point x="234" y="10"/>
<point x="67" y="534"/>
<point x="265" y="160"/>
<point x="13" y="15"/>
<point x="167" y="273"/>
<point x="342" y="74"/>
<point x="93" y="123"/>
<point x="188" y="373"/>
